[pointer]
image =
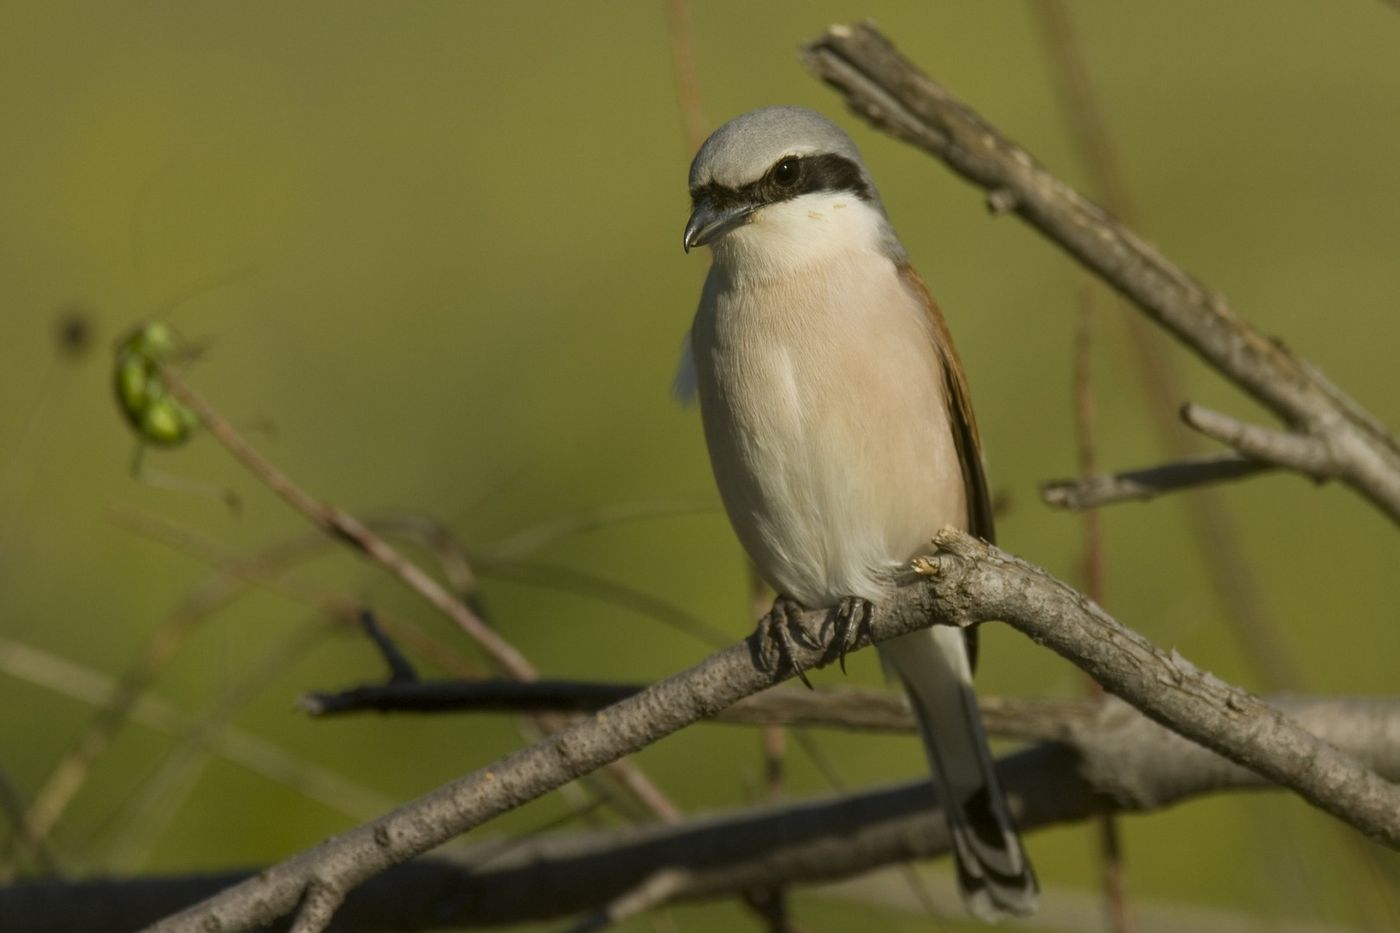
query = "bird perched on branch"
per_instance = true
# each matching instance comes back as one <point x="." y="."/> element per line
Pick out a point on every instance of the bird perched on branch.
<point x="841" y="434"/>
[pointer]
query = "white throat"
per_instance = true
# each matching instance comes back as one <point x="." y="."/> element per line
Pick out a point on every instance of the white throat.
<point x="790" y="237"/>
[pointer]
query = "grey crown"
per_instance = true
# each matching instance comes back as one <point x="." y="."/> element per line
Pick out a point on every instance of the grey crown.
<point x="743" y="149"/>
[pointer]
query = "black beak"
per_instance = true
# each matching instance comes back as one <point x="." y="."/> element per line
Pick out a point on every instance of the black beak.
<point x="710" y="221"/>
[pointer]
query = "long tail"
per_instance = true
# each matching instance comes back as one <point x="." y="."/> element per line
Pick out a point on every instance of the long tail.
<point x="994" y="875"/>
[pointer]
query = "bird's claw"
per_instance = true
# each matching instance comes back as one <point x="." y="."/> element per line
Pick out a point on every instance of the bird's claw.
<point x="777" y="628"/>
<point x="852" y="621"/>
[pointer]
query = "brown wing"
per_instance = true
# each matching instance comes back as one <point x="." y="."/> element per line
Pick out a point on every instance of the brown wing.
<point x="979" y="499"/>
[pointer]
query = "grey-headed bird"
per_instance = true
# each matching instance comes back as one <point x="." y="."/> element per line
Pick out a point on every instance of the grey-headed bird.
<point x="840" y="431"/>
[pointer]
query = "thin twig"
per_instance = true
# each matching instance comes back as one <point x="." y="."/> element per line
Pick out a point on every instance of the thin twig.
<point x="163" y="794"/>
<point x="855" y="708"/>
<point x="64" y="677"/>
<point x="71" y="771"/>
<point x="1092" y="491"/>
<point x="350" y="530"/>
<point x="1298" y="452"/>
<point x="530" y="540"/>
<point x="258" y="570"/>
<point x="347" y="610"/>
<point x="400" y="668"/>
<point x="621" y="595"/>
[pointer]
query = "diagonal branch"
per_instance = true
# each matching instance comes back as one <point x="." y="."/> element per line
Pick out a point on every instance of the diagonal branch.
<point x="1114" y="761"/>
<point x="343" y="526"/>
<point x="965" y="582"/>
<point x="889" y="91"/>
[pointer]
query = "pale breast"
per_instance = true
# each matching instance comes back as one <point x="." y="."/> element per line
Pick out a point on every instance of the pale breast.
<point x="825" y="415"/>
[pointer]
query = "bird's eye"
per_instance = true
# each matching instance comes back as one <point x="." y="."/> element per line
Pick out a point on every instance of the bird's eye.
<point x="786" y="172"/>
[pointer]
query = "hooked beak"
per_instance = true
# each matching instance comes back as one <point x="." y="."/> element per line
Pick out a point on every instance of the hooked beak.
<point x="710" y="221"/>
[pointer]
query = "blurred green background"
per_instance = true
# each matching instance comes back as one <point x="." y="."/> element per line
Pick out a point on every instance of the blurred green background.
<point x="432" y="252"/>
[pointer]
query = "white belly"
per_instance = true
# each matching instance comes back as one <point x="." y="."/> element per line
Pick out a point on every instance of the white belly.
<point x="825" y="416"/>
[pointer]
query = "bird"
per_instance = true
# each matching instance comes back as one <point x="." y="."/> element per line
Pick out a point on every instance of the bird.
<point x="840" y="432"/>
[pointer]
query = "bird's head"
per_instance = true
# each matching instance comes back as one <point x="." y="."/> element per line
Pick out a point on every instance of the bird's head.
<point x="782" y="179"/>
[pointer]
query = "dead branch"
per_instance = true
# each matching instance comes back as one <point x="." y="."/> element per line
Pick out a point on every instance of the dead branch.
<point x="1116" y="761"/>
<point x="1089" y="492"/>
<point x="859" y="709"/>
<point x="965" y="582"/>
<point x="1342" y="440"/>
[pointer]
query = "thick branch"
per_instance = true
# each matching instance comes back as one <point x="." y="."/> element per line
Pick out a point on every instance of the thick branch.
<point x="1089" y="492"/>
<point x="989" y="584"/>
<point x="967" y="582"/>
<point x="1115" y="761"/>
<point x="886" y="89"/>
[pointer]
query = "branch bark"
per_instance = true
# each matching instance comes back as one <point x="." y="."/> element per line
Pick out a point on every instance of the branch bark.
<point x="1088" y="492"/>
<point x="1112" y="760"/>
<point x="965" y="582"/>
<point x="889" y="91"/>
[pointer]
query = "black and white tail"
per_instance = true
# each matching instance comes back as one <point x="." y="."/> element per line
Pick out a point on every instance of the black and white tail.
<point x="994" y="875"/>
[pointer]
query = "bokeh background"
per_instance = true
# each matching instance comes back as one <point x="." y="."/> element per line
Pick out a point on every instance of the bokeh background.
<point x="432" y="255"/>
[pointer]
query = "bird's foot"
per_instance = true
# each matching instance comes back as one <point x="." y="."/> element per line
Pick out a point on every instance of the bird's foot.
<point x="780" y="631"/>
<point x="852" y="620"/>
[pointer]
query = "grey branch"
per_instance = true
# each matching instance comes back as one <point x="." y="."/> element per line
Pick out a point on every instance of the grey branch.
<point x="966" y="582"/>
<point x="1089" y="492"/>
<point x="1111" y="760"/>
<point x="886" y="89"/>
<point x="1304" y="453"/>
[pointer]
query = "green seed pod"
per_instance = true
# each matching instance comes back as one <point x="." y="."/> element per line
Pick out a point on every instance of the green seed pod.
<point x="153" y="413"/>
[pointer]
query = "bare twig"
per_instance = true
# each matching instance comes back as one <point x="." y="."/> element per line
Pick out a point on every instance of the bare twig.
<point x="528" y="541"/>
<point x="72" y="769"/>
<point x="400" y="668"/>
<point x="620" y="595"/>
<point x="966" y="582"/>
<point x="889" y="91"/>
<point x="340" y="524"/>
<point x="1117" y="762"/>
<point x="345" y="527"/>
<point x="256" y="570"/>
<point x="349" y="611"/>
<point x="165" y="791"/>
<point x="855" y="708"/>
<point x="64" y="677"/>
<point x="1092" y="491"/>
<point x="1300" y="452"/>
